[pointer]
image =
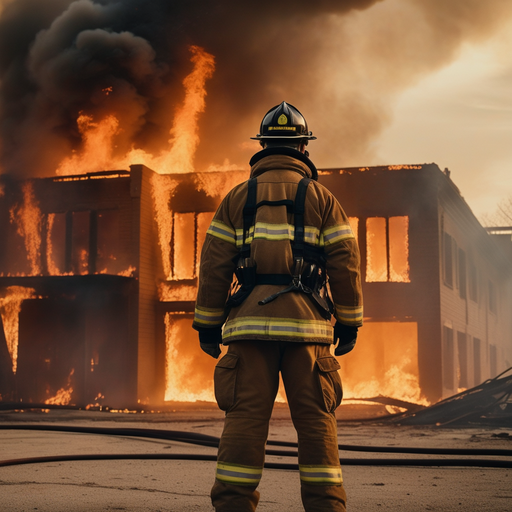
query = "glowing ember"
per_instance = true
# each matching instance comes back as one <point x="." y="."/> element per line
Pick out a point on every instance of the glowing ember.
<point x="63" y="395"/>
<point x="10" y="306"/>
<point x="28" y="220"/>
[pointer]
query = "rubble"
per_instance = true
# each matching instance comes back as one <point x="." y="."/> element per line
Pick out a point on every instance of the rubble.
<point x="489" y="404"/>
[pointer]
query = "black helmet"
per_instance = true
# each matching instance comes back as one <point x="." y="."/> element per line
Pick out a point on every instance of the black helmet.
<point x="284" y="121"/>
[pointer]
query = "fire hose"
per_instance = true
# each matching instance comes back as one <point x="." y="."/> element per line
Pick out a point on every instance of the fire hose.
<point x="212" y="441"/>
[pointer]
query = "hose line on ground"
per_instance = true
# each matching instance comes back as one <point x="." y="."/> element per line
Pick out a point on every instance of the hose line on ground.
<point x="212" y="441"/>
<point x="481" y="463"/>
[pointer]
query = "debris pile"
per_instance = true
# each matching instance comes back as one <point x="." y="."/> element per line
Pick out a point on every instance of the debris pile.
<point x="489" y="403"/>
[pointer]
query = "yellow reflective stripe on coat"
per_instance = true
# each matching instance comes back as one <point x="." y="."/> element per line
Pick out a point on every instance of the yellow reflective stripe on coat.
<point x="273" y="232"/>
<point x="237" y="474"/>
<point x="208" y="317"/>
<point x="336" y="234"/>
<point x="321" y="475"/>
<point x="220" y="230"/>
<point x="350" y="315"/>
<point x="265" y="326"/>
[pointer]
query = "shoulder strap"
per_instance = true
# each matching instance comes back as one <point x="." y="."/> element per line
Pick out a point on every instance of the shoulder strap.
<point x="298" y="214"/>
<point x="249" y="213"/>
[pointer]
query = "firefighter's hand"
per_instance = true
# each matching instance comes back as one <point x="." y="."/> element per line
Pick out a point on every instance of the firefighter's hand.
<point x="345" y="338"/>
<point x="210" y="340"/>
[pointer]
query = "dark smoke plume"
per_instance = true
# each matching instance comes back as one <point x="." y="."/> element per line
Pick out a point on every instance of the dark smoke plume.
<point x="339" y="61"/>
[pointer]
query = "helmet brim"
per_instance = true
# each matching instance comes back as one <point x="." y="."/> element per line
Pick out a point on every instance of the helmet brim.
<point x="287" y="137"/>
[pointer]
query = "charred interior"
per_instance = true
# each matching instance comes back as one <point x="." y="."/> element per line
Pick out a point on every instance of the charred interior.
<point x="98" y="275"/>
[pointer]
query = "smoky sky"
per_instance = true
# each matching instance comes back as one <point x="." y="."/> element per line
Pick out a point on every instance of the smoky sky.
<point x="62" y="59"/>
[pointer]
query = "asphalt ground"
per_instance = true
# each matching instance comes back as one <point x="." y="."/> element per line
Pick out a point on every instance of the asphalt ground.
<point x="184" y="485"/>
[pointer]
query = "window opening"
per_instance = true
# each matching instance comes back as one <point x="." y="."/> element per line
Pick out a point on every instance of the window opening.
<point x="387" y="249"/>
<point x="462" y="274"/>
<point x="448" y="260"/>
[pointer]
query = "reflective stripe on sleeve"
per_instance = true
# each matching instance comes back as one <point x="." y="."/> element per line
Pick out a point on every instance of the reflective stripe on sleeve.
<point x="350" y="315"/>
<point x="237" y="474"/>
<point x="321" y="475"/>
<point x="336" y="234"/>
<point x="220" y="230"/>
<point x="287" y="327"/>
<point x="208" y="317"/>
<point x="273" y="232"/>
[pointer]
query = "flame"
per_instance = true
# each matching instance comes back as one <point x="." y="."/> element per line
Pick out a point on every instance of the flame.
<point x="170" y="292"/>
<point x="28" y="220"/>
<point x="387" y="249"/>
<point x="96" y="154"/>
<point x="383" y="363"/>
<point x="184" y="132"/>
<point x="397" y="383"/>
<point x="399" y="249"/>
<point x="184" y="136"/>
<point x="98" y="136"/>
<point x="10" y="307"/>
<point x="52" y="266"/>
<point x="63" y="395"/>
<point x="129" y="272"/>
<point x="189" y="372"/>
<point x="162" y="190"/>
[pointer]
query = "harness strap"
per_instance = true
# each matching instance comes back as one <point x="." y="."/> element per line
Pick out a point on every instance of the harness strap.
<point x="283" y="202"/>
<point x="249" y="214"/>
<point x="248" y="276"/>
<point x="298" y="216"/>
<point x="275" y="279"/>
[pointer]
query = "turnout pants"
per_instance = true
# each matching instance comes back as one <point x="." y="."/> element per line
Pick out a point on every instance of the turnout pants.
<point x="246" y="384"/>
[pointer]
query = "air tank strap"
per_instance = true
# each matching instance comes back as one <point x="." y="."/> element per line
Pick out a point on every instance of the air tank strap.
<point x="249" y="214"/>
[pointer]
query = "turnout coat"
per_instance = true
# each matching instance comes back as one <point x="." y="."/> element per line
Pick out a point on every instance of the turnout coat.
<point x="291" y="316"/>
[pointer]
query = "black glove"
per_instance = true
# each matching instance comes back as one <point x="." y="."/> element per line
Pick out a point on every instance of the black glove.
<point x="210" y="340"/>
<point x="345" y="337"/>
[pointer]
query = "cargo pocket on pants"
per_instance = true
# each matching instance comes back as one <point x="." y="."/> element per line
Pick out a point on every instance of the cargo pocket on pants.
<point x="224" y="380"/>
<point x="330" y="382"/>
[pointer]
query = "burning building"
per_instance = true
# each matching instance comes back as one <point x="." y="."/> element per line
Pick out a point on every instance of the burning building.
<point x="98" y="275"/>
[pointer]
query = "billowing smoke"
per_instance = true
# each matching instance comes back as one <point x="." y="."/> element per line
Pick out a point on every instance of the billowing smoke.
<point x="341" y="62"/>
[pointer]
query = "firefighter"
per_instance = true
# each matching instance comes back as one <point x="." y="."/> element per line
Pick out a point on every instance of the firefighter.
<point x="282" y="234"/>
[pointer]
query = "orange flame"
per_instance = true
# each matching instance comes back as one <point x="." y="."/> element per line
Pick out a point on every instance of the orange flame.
<point x="98" y="136"/>
<point x="52" y="267"/>
<point x="188" y="370"/>
<point x="397" y="383"/>
<point x="383" y="363"/>
<point x="184" y="136"/>
<point x="10" y="307"/>
<point x="97" y="151"/>
<point x="28" y="220"/>
<point x="63" y="395"/>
